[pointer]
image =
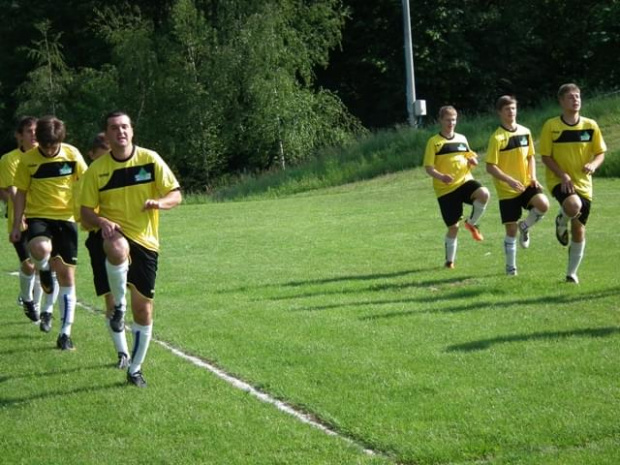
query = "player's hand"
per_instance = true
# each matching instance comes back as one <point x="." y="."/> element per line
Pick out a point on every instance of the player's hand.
<point x="446" y="178"/>
<point x="535" y="184"/>
<point x="15" y="235"/>
<point x="589" y="168"/>
<point x="151" y="204"/>
<point x="516" y="185"/>
<point x="473" y="161"/>
<point x="108" y="228"/>
<point x="567" y="184"/>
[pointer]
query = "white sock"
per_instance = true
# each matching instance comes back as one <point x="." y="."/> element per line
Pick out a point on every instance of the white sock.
<point x="67" y="308"/>
<point x="141" y="341"/>
<point x="533" y="217"/>
<point x="575" y="255"/>
<point x="50" y="299"/>
<point x="510" y="249"/>
<point x="477" y="211"/>
<point x="450" y="245"/>
<point x="37" y="292"/>
<point x="119" y="339"/>
<point x="564" y="218"/>
<point x="26" y="286"/>
<point x="117" y="277"/>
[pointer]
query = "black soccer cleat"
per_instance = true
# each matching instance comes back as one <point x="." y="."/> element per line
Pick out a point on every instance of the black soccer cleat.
<point x="30" y="310"/>
<point x="136" y="379"/>
<point x="123" y="361"/>
<point x="117" y="322"/>
<point x="64" y="342"/>
<point x="46" y="322"/>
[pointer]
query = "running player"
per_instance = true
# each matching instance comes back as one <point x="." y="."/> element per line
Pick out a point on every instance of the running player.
<point x="449" y="160"/>
<point x="122" y="193"/>
<point x="572" y="149"/>
<point x="510" y="160"/>
<point x="44" y="180"/>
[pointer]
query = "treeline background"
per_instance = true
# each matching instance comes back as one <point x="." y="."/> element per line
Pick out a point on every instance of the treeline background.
<point x="223" y="87"/>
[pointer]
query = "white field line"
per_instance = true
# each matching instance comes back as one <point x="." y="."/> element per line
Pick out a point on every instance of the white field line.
<point x="243" y="386"/>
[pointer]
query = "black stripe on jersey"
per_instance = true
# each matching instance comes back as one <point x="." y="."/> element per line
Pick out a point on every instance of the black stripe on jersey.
<point x="55" y="169"/>
<point x="517" y="141"/>
<point x="125" y="177"/>
<point x="575" y="135"/>
<point x="453" y="147"/>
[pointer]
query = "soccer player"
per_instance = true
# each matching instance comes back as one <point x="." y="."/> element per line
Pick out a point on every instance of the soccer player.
<point x="449" y="160"/>
<point x="100" y="147"/>
<point x="44" y="180"/>
<point x="30" y="288"/>
<point x="122" y="193"/>
<point x="572" y="149"/>
<point x="510" y="160"/>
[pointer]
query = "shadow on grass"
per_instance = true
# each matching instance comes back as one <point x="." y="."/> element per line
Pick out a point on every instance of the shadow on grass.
<point x="335" y="279"/>
<point x="18" y="401"/>
<point x="484" y="344"/>
<point x="454" y="281"/>
<point x="485" y="305"/>
<point x="55" y="372"/>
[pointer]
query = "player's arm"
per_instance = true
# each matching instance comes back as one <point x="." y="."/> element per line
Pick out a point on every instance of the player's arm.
<point x="498" y="173"/>
<point x="168" y="201"/>
<point x="433" y="173"/>
<point x="597" y="161"/>
<point x="567" y="183"/>
<point x="531" y="168"/>
<point x="4" y="195"/>
<point x="91" y="220"/>
<point x="19" y="205"/>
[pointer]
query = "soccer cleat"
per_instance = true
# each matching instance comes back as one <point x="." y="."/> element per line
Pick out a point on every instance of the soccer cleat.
<point x="47" y="281"/>
<point x="136" y="379"/>
<point x="572" y="278"/>
<point x="449" y="265"/>
<point x="511" y="270"/>
<point x="20" y="301"/>
<point x="117" y="322"/>
<point x="46" y="322"/>
<point x="31" y="311"/>
<point x="475" y="232"/>
<point x="123" y="361"/>
<point x="64" y="342"/>
<point x="561" y="231"/>
<point x="524" y="235"/>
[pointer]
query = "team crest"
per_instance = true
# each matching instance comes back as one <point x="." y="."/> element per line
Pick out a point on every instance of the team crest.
<point x="143" y="175"/>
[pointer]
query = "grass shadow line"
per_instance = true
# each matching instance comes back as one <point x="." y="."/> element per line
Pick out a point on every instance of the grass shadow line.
<point x="484" y="344"/>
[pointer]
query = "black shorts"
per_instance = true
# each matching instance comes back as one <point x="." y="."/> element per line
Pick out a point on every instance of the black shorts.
<point x="63" y="234"/>
<point x="585" y="203"/>
<point x="142" y="266"/>
<point x="451" y="205"/>
<point x="510" y="209"/>
<point x="21" y="247"/>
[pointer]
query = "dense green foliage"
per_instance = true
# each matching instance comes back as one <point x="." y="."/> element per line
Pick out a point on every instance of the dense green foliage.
<point x="227" y="88"/>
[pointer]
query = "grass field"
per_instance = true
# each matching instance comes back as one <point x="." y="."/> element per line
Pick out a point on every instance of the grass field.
<point x="336" y="302"/>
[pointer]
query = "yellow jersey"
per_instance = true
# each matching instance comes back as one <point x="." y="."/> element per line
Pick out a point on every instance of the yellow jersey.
<point x="118" y="189"/>
<point x="449" y="156"/>
<point x="511" y="151"/>
<point x="8" y="166"/>
<point x="572" y="147"/>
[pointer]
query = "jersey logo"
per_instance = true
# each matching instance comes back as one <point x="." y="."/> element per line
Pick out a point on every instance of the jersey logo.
<point x="575" y="135"/>
<point x="65" y="170"/>
<point x="452" y="147"/>
<point x="143" y="175"/>
<point x="54" y="169"/>
<point x="586" y="136"/>
<point x="515" y="142"/>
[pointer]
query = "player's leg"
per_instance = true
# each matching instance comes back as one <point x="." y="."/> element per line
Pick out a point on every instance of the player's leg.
<point x="577" y="245"/>
<point x="142" y="330"/>
<point x="117" y="265"/>
<point x="478" y="196"/>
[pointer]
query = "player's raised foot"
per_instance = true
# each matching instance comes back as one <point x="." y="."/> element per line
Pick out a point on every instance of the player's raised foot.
<point x="30" y="310"/>
<point x="561" y="230"/>
<point x="123" y="361"/>
<point x="46" y="322"/>
<point x="572" y="278"/>
<point x="449" y="265"/>
<point x="64" y="342"/>
<point x="47" y="281"/>
<point x="117" y="322"/>
<point x="475" y="232"/>
<point x="511" y="270"/>
<point x="136" y="379"/>
<point x="524" y="235"/>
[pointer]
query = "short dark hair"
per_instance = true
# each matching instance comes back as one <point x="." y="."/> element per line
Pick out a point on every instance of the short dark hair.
<point x="50" y="130"/>
<point x="100" y="142"/>
<point x="504" y="100"/>
<point x="114" y="114"/>
<point x="24" y="122"/>
<point x="566" y="88"/>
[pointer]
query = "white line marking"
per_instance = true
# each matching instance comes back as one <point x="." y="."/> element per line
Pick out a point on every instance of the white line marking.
<point x="243" y="386"/>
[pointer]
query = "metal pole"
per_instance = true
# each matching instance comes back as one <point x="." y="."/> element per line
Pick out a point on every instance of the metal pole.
<point x="409" y="64"/>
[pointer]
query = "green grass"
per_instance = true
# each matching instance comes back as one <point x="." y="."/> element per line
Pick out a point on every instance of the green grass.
<point x="335" y="301"/>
